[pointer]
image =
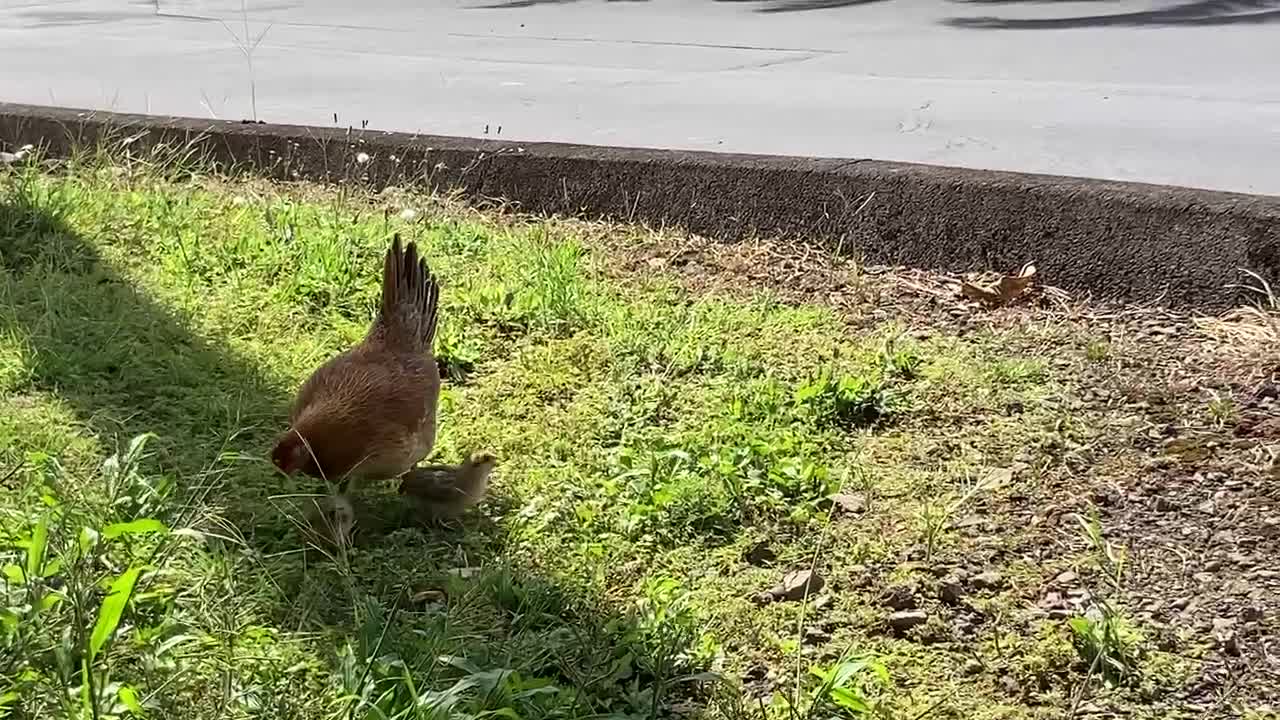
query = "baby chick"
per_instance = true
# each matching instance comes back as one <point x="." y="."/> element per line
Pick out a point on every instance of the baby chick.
<point x="444" y="491"/>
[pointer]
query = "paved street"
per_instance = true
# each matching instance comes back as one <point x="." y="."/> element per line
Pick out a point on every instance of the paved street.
<point x="1169" y="91"/>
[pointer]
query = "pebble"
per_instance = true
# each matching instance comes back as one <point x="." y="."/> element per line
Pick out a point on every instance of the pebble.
<point x="899" y="597"/>
<point x="972" y="667"/>
<point x="816" y="636"/>
<point x="1240" y="559"/>
<point x="1066" y="578"/>
<point x="904" y="620"/>
<point x="1010" y="685"/>
<point x="850" y="503"/>
<point x="794" y="586"/>
<point x="760" y="555"/>
<point x="988" y="580"/>
<point x="951" y="591"/>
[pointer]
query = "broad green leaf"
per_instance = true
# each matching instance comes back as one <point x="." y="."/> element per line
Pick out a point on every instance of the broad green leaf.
<point x="48" y="601"/>
<point x="112" y="609"/>
<point x="14" y="574"/>
<point x="129" y="697"/>
<point x="847" y="699"/>
<point x="35" y="552"/>
<point x="137" y="527"/>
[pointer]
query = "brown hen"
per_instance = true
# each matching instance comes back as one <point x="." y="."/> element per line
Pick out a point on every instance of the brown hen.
<point x="370" y="413"/>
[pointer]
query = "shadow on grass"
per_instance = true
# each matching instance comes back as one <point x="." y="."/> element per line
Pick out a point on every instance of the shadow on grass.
<point x="126" y="364"/>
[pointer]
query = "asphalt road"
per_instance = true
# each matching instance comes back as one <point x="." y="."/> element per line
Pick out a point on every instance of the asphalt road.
<point x="1184" y="92"/>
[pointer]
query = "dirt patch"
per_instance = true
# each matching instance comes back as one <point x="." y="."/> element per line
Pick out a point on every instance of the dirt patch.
<point x="1170" y="431"/>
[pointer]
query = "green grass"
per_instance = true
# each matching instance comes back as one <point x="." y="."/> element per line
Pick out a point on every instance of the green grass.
<point x="648" y="436"/>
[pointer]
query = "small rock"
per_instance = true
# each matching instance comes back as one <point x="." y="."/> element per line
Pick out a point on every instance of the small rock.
<point x="1240" y="559"/>
<point x="1079" y="596"/>
<point x="904" y="620"/>
<point x="950" y="591"/>
<point x="760" y="555"/>
<point x="1208" y="507"/>
<point x="1181" y="603"/>
<point x="859" y="577"/>
<point x="1065" y="579"/>
<point x="968" y="521"/>
<point x="899" y="597"/>
<point x="821" y="601"/>
<point x="1051" y="600"/>
<point x="755" y="673"/>
<point x="972" y="667"/>
<point x="1228" y="642"/>
<point x="816" y="636"/>
<point x="1251" y="614"/>
<point x="1010" y="685"/>
<point x="1164" y="504"/>
<point x="794" y="586"/>
<point x="988" y="580"/>
<point x="1213" y="566"/>
<point x="850" y="503"/>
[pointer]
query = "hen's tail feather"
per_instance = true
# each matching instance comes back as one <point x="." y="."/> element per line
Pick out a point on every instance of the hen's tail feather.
<point x="410" y="295"/>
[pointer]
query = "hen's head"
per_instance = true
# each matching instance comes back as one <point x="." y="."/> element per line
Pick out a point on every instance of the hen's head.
<point x="291" y="455"/>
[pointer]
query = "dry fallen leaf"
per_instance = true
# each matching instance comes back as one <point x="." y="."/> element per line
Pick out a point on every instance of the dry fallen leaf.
<point x="1006" y="291"/>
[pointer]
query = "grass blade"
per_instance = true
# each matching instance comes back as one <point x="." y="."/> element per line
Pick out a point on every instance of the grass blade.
<point x="137" y="527"/>
<point x="112" y="609"/>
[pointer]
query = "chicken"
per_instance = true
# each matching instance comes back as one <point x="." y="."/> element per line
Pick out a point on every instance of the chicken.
<point x="369" y="413"/>
<point x="331" y="520"/>
<point x="444" y="491"/>
<point x="427" y="493"/>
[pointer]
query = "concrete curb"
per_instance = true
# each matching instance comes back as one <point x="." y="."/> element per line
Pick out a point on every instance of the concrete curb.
<point x="1173" y="246"/>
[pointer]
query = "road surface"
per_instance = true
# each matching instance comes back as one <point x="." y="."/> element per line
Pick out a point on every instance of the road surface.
<point x="1185" y="92"/>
